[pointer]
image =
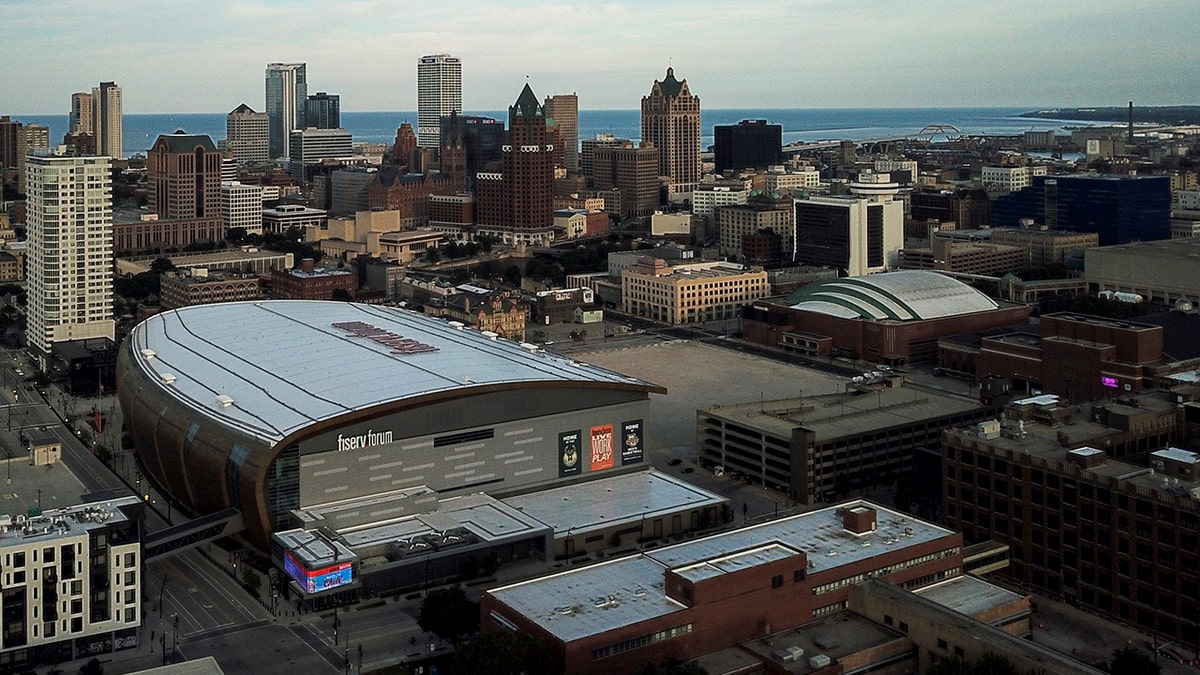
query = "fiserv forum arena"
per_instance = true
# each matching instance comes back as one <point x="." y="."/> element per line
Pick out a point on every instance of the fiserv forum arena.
<point x="285" y="408"/>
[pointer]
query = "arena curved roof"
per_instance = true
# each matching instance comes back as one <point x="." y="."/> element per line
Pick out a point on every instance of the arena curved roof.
<point x="907" y="295"/>
<point x="272" y="368"/>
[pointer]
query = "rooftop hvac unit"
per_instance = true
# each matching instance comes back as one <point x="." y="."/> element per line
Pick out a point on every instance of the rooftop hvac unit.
<point x="224" y="400"/>
<point x="147" y="354"/>
<point x="820" y="661"/>
<point x="789" y="654"/>
<point x="167" y="378"/>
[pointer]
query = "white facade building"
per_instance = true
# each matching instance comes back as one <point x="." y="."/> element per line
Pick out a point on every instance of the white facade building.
<point x="241" y="206"/>
<point x="706" y="198"/>
<point x="107" y="122"/>
<point x="896" y="167"/>
<point x="52" y="563"/>
<point x="248" y="135"/>
<point x="860" y="235"/>
<point x="310" y="146"/>
<point x="1009" y="178"/>
<point x="793" y="180"/>
<point x="70" y="235"/>
<point x="1187" y="200"/>
<point x="286" y="216"/>
<point x="439" y="93"/>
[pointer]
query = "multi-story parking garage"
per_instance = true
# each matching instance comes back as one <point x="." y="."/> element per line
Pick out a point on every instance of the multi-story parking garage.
<point x="359" y="414"/>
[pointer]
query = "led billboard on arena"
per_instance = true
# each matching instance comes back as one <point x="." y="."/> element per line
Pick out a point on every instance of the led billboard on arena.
<point x="315" y="581"/>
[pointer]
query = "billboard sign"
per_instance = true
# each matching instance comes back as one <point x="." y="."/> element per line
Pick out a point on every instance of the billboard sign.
<point x="602" y="448"/>
<point x="568" y="453"/>
<point x="631" y="442"/>
<point x="315" y="581"/>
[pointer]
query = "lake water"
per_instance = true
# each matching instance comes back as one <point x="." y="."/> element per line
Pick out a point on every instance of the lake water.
<point x="803" y="124"/>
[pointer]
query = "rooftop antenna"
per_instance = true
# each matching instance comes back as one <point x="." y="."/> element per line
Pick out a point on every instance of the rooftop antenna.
<point x="1129" y="134"/>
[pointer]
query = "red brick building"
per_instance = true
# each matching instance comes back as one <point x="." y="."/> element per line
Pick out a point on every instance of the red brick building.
<point x="394" y="190"/>
<point x="890" y="318"/>
<point x="1078" y="356"/>
<point x="517" y="205"/>
<point x="308" y="283"/>
<point x="713" y="593"/>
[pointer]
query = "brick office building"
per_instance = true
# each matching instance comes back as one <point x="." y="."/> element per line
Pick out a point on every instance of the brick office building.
<point x="1115" y="537"/>
<point x="308" y="283"/>
<point x="698" y="597"/>
<point x="1078" y="356"/>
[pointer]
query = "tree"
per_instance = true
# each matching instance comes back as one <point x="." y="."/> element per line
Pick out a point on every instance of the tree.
<point x="251" y="581"/>
<point x="161" y="265"/>
<point x="93" y="667"/>
<point x="341" y="294"/>
<point x="432" y="255"/>
<point x="1132" y="661"/>
<point x="503" y="653"/>
<point x="512" y="276"/>
<point x="449" y="614"/>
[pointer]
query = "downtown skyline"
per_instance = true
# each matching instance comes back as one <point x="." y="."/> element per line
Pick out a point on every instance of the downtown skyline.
<point x="784" y="54"/>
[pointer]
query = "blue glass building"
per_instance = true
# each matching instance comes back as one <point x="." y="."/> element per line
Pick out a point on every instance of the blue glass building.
<point x="1120" y="209"/>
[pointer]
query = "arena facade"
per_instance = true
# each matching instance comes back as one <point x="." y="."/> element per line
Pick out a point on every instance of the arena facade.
<point x="891" y="318"/>
<point x="284" y="409"/>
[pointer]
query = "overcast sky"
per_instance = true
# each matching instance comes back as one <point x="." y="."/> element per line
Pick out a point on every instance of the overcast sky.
<point x="183" y="56"/>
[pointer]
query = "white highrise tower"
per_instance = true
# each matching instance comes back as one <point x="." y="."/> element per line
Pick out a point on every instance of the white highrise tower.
<point x="107" y="121"/>
<point x="287" y="96"/>
<point x="70" y="250"/>
<point x="439" y="93"/>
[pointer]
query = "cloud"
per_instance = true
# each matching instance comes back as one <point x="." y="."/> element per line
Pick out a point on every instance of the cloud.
<point x="210" y="56"/>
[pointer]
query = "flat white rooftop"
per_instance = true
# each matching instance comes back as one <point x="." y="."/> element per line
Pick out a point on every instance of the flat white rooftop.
<point x="628" y="498"/>
<point x="587" y="601"/>
<point x="969" y="595"/>
<point x="271" y="368"/>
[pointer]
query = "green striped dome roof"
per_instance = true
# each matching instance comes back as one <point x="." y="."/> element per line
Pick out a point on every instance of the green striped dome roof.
<point x="907" y="295"/>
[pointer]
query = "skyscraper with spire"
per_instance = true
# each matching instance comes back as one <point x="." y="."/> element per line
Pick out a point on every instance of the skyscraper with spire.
<point x="439" y="93"/>
<point x="287" y="97"/>
<point x="671" y="121"/>
<point x="517" y="205"/>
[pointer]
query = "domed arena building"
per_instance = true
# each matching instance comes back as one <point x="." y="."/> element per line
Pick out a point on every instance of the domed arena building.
<point x="310" y="415"/>
<point x="890" y="318"/>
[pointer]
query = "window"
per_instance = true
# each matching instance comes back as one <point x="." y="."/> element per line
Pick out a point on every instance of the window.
<point x="777" y="581"/>
<point x="941" y="644"/>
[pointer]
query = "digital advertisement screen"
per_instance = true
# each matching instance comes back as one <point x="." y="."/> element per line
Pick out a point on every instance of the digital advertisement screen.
<point x="318" y="580"/>
<point x="602" y="447"/>
<point x="1109" y="382"/>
